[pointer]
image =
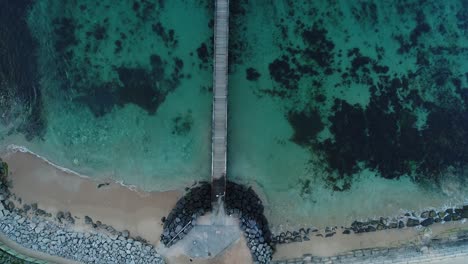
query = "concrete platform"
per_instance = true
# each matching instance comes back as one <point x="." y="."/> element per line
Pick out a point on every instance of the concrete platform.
<point x="206" y="241"/>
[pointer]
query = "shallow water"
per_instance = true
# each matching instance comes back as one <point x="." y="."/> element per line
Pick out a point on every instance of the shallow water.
<point x="124" y="92"/>
<point x="348" y="109"/>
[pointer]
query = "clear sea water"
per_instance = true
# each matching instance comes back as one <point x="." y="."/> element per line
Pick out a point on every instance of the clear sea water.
<point x="90" y="55"/>
<point x="338" y="109"/>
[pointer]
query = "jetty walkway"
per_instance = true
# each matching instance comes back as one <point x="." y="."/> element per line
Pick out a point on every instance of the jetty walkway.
<point x="220" y="92"/>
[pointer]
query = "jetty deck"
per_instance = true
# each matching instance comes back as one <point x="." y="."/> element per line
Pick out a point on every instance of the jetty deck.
<point x="220" y="93"/>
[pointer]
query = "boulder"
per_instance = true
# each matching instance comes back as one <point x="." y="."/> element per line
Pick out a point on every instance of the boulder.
<point x="427" y="222"/>
<point x="425" y="214"/>
<point x="456" y="217"/>
<point x="464" y="213"/>
<point x="3" y="170"/>
<point x="70" y="219"/>
<point x="88" y="220"/>
<point x="40" y="212"/>
<point x="126" y="234"/>
<point x="412" y="222"/>
<point x="10" y="206"/>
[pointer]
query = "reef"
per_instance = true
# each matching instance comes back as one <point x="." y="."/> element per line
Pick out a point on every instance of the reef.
<point x="408" y="120"/>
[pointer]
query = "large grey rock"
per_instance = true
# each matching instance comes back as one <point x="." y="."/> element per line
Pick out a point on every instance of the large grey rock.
<point x="427" y="222"/>
<point x="88" y="220"/>
<point x="412" y="222"/>
<point x="464" y="213"/>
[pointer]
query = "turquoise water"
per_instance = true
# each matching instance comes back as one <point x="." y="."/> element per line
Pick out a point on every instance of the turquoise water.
<point x="124" y="92"/>
<point x="349" y="109"/>
<point x="338" y="109"/>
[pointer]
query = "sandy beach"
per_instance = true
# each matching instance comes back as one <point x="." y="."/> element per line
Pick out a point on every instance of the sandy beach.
<point x="36" y="181"/>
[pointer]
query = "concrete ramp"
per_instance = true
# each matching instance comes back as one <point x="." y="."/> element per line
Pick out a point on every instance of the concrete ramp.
<point x="207" y="241"/>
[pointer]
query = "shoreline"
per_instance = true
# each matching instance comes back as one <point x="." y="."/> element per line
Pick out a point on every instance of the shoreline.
<point x="55" y="190"/>
<point x="450" y="248"/>
<point x="341" y="243"/>
<point x="35" y="180"/>
<point x="16" y="148"/>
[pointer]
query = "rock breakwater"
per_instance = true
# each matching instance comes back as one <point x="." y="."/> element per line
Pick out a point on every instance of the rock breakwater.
<point x="240" y="201"/>
<point x="35" y="229"/>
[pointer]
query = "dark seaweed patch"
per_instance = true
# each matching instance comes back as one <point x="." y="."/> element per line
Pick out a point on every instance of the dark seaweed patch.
<point x="145" y="8"/>
<point x="389" y="135"/>
<point x="182" y="124"/>
<point x="238" y="45"/>
<point x="252" y="74"/>
<point x="118" y="46"/>
<point x="411" y="42"/>
<point x="146" y="88"/>
<point x="64" y="29"/>
<point x="418" y="31"/>
<point x="350" y="138"/>
<point x="282" y="73"/>
<point x="366" y="11"/>
<point x="306" y="188"/>
<point x="462" y="17"/>
<point x="306" y="125"/>
<point x="138" y="89"/>
<point x="315" y="60"/>
<point x="100" y="99"/>
<point x="319" y="46"/>
<point x="202" y="53"/>
<point x="168" y="36"/>
<point x="99" y="32"/>
<point x="388" y="141"/>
